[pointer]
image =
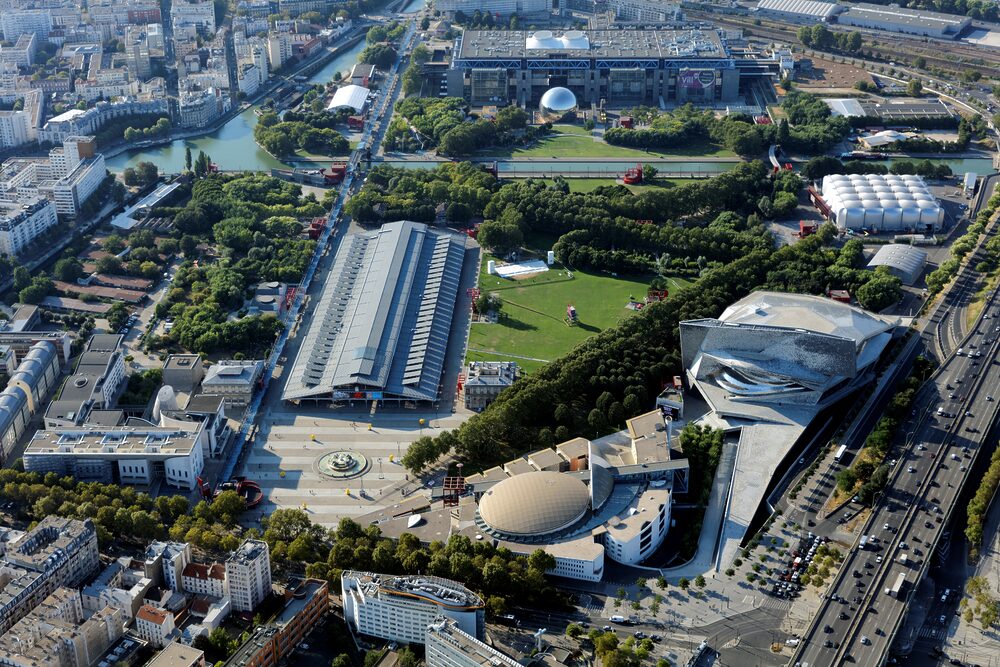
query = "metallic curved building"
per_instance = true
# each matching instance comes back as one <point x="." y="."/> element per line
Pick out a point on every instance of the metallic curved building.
<point x="556" y="104"/>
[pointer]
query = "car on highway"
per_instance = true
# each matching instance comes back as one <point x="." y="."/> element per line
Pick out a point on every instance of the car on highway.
<point x="865" y="640"/>
<point x="911" y="469"/>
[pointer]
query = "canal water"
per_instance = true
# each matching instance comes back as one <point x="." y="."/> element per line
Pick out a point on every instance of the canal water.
<point x="232" y="145"/>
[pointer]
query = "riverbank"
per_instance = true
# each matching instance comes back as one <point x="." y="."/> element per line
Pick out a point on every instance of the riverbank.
<point x="229" y="140"/>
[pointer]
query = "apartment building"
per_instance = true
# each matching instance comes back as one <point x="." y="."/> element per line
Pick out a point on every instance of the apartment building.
<point x="447" y="646"/>
<point x="248" y="575"/>
<point x="202" y="579"/>
<point x="56" y="634"/>
<point x="17" y="22"/>
<point x="70" y="175"/>
<point x="81" y="123"/>
<point x="157" y="626"/>
<point x="22" y="53"/>
<point x="57" y="552"/>
<point x="198" y="14"/>
<point x="22" y="223"/>
<point x="198" y="108"/>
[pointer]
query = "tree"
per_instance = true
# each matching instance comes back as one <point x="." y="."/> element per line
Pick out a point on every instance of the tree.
<point x="117" y="315"/>
<point x="229" y="504"/>
<point x="574" y="630"/>
<point x="67" y="269"/>
<point x="649" y="172"/>
<point x="914" y="88"/>
<point x="500" y="237"/>
<point x="187" y="158"/>
<point x="699" y="581"/>
<point x="684" y="583"/>
<point x="880" y="291"/>
<point x="380" y="55"/>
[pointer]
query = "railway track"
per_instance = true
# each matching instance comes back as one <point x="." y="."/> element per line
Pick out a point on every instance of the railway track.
<point x="889" y="47"/>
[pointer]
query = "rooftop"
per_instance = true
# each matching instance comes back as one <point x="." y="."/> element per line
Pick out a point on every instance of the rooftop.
<point x="899" y="256"/>
<point x="912" y="17"/>
<point x="248" y="552"/>
<point x="176" y="655"/>
<point x="116" y="442"/>
<point x="666" y="43"/>
<point x="819" y="10"/>
<point x="434" y="590"/>
<point x="232" y="372"/>
<point x="152" y="614"/>
<point x="535" y="503"/>
<point x="474" y="652"/>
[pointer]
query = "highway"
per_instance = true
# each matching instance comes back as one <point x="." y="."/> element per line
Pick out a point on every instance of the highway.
<point x="858" y="619"/>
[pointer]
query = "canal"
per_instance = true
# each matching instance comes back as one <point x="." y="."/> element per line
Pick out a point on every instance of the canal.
<point x="232" y="146"/>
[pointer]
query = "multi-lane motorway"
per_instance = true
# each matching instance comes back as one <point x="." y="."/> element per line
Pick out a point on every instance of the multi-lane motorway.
<point x="858" y="619"/>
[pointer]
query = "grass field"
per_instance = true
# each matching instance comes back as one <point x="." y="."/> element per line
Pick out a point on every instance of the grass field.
<point x="533" y="330"/>
<point x="574" y="141"/>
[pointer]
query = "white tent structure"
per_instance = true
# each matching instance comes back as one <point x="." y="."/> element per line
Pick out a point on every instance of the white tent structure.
<point x="882" y="203"/>
<point x="355" y="97"/>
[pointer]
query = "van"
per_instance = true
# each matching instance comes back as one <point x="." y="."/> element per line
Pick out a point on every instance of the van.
<point x="940" y="411"/>
<point x="617" y="618"/>
<point x="959" y="352"/>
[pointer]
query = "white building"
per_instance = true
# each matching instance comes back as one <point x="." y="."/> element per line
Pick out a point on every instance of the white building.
<point x="447" y="646"/>
<point x="13" y="128"/>
<point x="165" y="562"/>
<point x="248" y="79"/>
<point x="199" y="108"/>
<point x="202" y="579"/>
<point x="399" y="608"/>
<point x="199" y="14"/>
<point x="76" y="122"/>
<point x="117" y="586"/>
<point x="21" y="224"/>
<point x="884" y="203"/>
<point x="68" y="178"/>
<point x="96" y="385"/>
<point x="248" y="575"/>
<point x="130" y="454"/>
<point x="22" y="53"/>
<point x="502" y="7"/>
<point x="634" y="536"/>
<point x="279" y="49"/>
<point x="17" y="22"/>
<point x="155" y="625"/>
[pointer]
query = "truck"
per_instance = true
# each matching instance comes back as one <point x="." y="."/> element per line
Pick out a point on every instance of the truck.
<point x="969" y="183"/>
<point x="863" y="542"/>
<point x="617" y="618"/>
<point x="897" y="587"/>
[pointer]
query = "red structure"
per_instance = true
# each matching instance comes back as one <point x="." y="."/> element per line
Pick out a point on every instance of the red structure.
<point x="248" y="489"/>
<point x="762" y="120"/>
<point x="633" y="175"/>
<point x="817" y="199"/>
<point x="316" y="228"/>
<point x="335" y="174"/>
<point x="213" y="168"/>
<point x="656" y="295"/>
<point x="290" y="297"/>
<point x="356" y="122"/>
<point x="626" y="122"/>
<point x="806" y="228"/>
<point x="452" y="490"/>
<point x="841" y="295"/>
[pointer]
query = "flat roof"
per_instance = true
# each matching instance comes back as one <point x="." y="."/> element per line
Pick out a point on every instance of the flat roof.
<point x="820" y="10"/>
<point x="911" y="17"/>
<point x="628" y="526"/>
<point x="175" y="654"/>
<point x="666" y="43"/>
<point x="114" y="442"/>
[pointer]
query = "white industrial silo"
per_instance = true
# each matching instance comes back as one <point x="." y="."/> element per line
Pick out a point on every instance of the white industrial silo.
<point x="930" y="215"/>
<point x="911" y="216"/>
<point x="873" y="217"/>
<point x="892" y="219"/>
<point x="854" y="218"/>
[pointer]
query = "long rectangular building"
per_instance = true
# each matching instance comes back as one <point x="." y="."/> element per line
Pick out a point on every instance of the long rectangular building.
<point x="380" y="328"/>
<point x="673" y="66"/>
<point x="907" y="21"/>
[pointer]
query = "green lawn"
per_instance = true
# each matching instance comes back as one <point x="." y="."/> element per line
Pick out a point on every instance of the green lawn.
<point x="574" y="141"/>
<point x="533" y="323"/>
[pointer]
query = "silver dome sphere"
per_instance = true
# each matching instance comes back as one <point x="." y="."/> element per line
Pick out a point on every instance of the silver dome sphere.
<point x="556" y="104"/>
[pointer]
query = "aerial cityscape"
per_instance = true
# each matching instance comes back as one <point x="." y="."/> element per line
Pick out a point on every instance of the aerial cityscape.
<point x="499" y="333"/>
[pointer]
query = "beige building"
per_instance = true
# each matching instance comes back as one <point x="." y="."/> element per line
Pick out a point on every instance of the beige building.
<point x="248" y="575"/>
<point x="155" y="625"/>
<point x="178" y="655"/>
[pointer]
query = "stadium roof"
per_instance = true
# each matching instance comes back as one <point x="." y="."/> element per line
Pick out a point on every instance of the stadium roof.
<point x="535" y="503"/>
<point x="804" y="312"/>
<point x="820" y="10"/>
<point x="355" y="97"/>
<point x="901" y="257"/>
<point x="381" y="325"/>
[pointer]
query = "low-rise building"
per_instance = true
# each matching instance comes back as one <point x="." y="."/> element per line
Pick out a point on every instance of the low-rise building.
<point x="157" y="626"/>
<point x="485" y="381"/>
<point x="98" y="382"/>
<point x="235" y="380"/>
<point x="176" y="654"/>
<point x="28" y="388"/>
<point x="137" y="453"/>
<point x="203" y="579"/>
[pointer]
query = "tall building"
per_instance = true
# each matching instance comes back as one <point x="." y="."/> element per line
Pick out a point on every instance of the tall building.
<point x="166" y="561"/>
<point x="199" y="14"/>
<point x="399" y="608"/>
<point x="279" y="49"/>
<point x="248" y="575"/>
<point x="13" y="128"/>
<point x="68" y="178"/>
<point x="447" y="646"/>
<point x="57" y="552"/>
<point x="22" y="224"/>
<point x="17" y="22"/>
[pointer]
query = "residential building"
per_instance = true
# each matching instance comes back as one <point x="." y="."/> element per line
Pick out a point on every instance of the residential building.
<point x="248" y="575"/>
<point x="279" y="49"/>
<point x="165" y="563"/>
<point x="236" y="380"/>
<point x="22" y="223"/>
<point x="176" y="654"/>
<point x="199" y="14"/>
<point x="137" y="53"/>
<point x="57" y="552"/>
<point x="445" y="645"/>
<point x="199" y="108"/>
<point x="76" y="122"/>
<point x="157" y="626"/>
<point x="22" y="53"/>
<point x="399" y="608"/>
<point x="70" y="175"/>
<point x="137" y="453"/>
<point x="56" y="634"/>
<point x="485" y="381"/>
<point x="13" y="128"/>
<point x="98" y="382"/>
<point x="17" y="22"/>
<point x="248" y="79"/>
<point x="502" y="7"/>
<point x="203" y="579"/>
<point x="117" y="586"/>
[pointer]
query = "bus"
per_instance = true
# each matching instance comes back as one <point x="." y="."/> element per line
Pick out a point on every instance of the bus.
<point x="840" y="453"/>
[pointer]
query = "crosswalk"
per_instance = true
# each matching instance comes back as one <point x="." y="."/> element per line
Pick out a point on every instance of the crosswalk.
<point x="928" y="632"/>
<point x="775" y="603"/>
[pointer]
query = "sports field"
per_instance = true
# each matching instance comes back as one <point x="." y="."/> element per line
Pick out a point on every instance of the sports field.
<point x="574" y="141"/>
<point x="533" y="331"/>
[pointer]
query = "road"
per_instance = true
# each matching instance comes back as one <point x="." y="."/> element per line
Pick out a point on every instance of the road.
<point x="858" y="619"/>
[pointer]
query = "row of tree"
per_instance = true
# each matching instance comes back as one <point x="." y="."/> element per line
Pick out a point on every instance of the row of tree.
<point x="824" y="165"/>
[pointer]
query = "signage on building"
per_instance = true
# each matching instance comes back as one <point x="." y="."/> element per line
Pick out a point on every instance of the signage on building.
<point x="696" y="78"/>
